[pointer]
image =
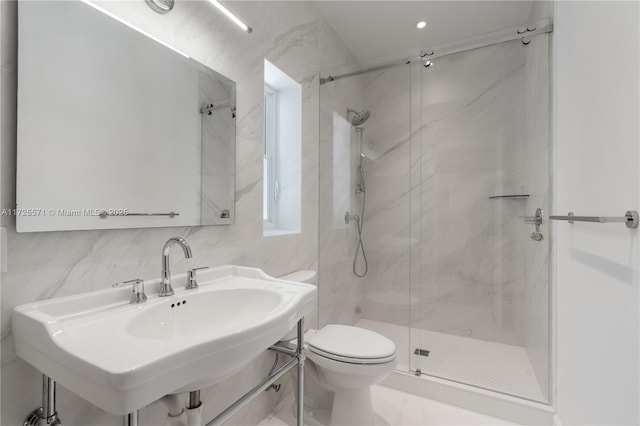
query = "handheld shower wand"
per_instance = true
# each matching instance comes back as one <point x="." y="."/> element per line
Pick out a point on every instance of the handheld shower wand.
<point x="357" y="120"/>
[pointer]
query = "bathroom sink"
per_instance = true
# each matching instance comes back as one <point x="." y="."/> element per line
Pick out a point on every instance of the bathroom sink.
<point x="222" y="311"/>
<point x="122" y="357"/>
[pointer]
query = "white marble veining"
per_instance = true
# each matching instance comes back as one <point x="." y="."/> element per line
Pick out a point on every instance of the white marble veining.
<point x="472" y="142"/>
<point x="440" y="141"/>
<point x="389" y="236"/>
<point x="340" y="291"/>
<point x="486" y="132"/>
<point x="294" y="37"/>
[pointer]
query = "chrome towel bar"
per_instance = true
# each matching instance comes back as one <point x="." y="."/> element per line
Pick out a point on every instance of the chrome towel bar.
<point x="103" y="214"/>
<point x="630" y="219"/>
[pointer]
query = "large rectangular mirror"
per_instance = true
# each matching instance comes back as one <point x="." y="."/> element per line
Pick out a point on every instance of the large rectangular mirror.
<point x="115" y="129"/>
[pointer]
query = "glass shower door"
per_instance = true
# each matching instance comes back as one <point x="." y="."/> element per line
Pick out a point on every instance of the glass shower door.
<point x="380" y="299"/>
<point x="480" y="165"/>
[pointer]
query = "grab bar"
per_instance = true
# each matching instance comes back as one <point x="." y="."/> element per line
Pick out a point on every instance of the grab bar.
<point x="630" y="219"/>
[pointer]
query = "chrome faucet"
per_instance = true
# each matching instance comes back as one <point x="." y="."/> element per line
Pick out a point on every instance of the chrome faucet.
<point x="165" y="276"/>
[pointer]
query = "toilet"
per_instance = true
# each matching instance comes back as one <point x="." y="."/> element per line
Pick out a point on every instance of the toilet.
<point x="342" y="364"/>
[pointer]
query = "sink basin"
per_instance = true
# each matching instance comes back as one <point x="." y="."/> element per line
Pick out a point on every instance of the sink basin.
<point x="121" y="357"/>
<point x="222" y="311"/>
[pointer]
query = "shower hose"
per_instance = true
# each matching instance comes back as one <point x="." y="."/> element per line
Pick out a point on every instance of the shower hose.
<point x="360" y="224"/>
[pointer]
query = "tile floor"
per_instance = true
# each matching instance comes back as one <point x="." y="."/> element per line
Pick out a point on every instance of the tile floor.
<point x="394" y="408"/>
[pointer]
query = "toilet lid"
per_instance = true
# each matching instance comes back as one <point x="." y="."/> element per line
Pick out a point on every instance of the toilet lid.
<point x="345" y="343"/>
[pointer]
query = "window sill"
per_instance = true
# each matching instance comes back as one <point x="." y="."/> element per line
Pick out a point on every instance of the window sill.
<point x="274" y="232"/>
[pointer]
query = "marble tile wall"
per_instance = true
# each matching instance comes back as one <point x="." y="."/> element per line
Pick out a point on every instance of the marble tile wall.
<point x="429" y="179"/>
<point x="387" y="235"/>
<point x="340" y="291"/>
<point x="473" y="147"/>
<point x="480" y="134"/>
<point x="442" y="255"/>
<point x="294" y="37"/>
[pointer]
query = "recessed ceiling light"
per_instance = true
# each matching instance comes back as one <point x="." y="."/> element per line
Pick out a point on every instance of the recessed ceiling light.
<point x="421" y="24"/>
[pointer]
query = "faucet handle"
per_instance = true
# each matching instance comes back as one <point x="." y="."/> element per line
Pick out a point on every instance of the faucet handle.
<point x="137" y="286"/>
<point x="192" y="283"/>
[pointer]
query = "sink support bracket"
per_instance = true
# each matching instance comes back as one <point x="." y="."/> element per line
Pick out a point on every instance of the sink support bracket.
<point x="47" y="414"/>
<point x="298" y="357"/>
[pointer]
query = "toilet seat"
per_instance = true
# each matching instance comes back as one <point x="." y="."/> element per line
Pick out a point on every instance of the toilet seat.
<point x="351" y="345"/>
<point x="351" y="360"/>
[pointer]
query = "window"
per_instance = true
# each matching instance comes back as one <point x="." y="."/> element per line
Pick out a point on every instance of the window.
<point x="282" y="207"/>
<point x="269" y="166"/>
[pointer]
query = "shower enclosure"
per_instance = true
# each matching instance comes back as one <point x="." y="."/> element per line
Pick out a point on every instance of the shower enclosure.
<point x="456" y="160"/>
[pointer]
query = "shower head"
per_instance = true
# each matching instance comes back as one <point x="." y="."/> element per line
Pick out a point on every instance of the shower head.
<point x="360" y="117"/>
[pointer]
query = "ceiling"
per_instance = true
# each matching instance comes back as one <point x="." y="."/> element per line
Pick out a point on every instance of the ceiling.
<point x="377" y="32"/>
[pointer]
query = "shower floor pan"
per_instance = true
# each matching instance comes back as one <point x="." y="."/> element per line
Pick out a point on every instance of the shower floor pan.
<point x="493" y="366"/>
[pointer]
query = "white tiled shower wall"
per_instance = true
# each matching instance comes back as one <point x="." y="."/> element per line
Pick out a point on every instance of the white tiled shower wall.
<point x="340" y="291"/>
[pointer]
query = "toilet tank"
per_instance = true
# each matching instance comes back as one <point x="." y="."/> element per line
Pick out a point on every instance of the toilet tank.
<point x="311" y="319"/>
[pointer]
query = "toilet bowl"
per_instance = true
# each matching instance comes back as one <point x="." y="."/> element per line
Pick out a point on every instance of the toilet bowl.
<point x="346" y="361"/>
<point x="342" y="364"/>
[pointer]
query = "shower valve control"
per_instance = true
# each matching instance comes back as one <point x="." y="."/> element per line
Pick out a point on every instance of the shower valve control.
<point x="536" y="236"/>
<point x="533" y="220"/>
<point x="537" y="221"/>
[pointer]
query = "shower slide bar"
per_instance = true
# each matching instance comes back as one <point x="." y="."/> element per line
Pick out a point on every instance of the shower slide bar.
<point x="523" y="32"/>
<point x="630" y="219"/>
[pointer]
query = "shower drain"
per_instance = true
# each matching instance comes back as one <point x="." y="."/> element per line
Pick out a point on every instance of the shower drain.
<point x="421" y="352"/>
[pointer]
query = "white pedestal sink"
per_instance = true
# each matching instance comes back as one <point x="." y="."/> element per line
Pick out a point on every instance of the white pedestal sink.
<point x="121" y="357"/>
